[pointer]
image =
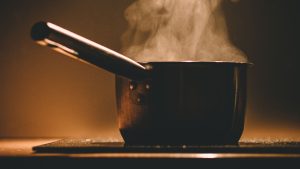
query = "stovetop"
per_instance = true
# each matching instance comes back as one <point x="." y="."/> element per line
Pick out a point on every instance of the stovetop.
<point x="100" y="146"/>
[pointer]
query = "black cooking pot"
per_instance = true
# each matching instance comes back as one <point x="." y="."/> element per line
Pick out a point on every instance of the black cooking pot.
<point x="164" y="102"/>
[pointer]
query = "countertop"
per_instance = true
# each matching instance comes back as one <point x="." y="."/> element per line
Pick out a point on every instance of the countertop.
<point x="16" y="153"/>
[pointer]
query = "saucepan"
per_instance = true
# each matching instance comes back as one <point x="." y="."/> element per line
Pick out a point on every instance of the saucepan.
<point x="164" y="103"/>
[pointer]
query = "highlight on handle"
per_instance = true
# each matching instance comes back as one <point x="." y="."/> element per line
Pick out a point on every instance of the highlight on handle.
<point x="83" y="49"/>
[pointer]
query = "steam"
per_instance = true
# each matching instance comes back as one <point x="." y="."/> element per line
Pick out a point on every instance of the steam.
<point x="178" y="30"/>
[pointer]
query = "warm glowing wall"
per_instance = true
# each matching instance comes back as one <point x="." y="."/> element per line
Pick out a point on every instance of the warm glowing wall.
<point x="43" y="93"/>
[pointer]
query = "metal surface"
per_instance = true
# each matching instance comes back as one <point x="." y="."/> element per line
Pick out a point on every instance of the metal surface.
<point x="184" y="103"/>
<point x="164" y="102"/>
<point x="85" y="50"/>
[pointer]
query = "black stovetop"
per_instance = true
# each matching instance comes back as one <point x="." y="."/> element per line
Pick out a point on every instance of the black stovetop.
<point x="99" y="146"/>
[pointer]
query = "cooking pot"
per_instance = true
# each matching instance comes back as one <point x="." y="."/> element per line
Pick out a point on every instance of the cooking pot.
<point x="171" y="103"/>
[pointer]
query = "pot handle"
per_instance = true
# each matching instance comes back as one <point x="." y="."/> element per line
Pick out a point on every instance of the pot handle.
<point x="78" y="47"/>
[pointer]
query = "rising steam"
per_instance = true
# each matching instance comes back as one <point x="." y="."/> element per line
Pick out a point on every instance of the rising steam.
<point x="178" y="30"/>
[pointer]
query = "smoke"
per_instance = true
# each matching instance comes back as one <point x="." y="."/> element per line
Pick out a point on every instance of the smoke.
<point x="178" y="30"/>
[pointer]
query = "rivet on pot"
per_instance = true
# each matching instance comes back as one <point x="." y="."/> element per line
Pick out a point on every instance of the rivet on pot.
<point x="147" y="86"/>
<point x="132" y="85"/>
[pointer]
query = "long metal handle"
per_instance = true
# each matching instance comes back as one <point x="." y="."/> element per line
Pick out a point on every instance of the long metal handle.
<point x="78" y="47"/>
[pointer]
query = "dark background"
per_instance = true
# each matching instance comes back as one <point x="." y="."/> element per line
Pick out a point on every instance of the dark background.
<point x="268" y="31"/>
<point x="44" y="94"/>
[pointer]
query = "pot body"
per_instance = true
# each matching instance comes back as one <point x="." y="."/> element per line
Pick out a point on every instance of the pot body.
<point x="171" y="103"/>
<point x="190" y="103"/>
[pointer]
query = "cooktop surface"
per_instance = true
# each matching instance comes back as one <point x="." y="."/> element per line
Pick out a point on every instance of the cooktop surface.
<point x="98" y="146"/>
